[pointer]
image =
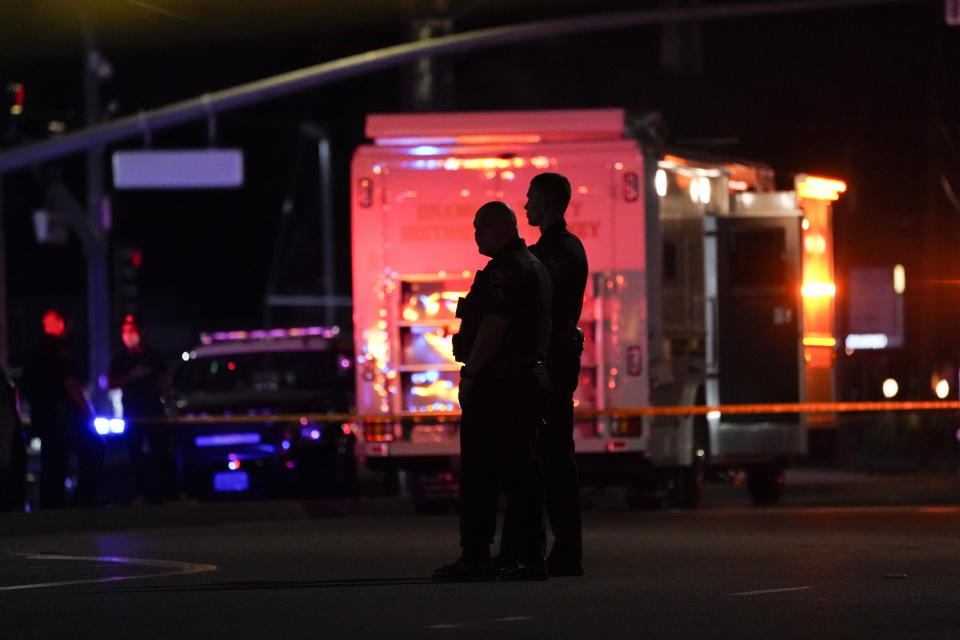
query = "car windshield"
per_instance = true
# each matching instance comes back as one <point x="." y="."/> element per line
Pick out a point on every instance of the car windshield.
<point x="259" y="372"/>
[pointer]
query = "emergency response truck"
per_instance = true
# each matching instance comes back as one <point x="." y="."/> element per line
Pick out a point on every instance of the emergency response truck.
<point x="707" y="287"/>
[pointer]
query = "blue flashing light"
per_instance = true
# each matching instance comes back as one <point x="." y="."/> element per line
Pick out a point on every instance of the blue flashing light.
<point x="285" y="445"/>
<point x="424" y="150"/>
<point x="425" y="377"/>
<point x="226" y="439"/>
<point x="109" y="426"/>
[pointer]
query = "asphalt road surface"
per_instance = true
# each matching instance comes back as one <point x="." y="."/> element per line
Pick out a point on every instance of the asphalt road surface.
<point x="733" y="572"/>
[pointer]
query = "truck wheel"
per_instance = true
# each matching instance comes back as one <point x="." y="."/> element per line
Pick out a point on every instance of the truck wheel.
<point x="645" y="489"/>
<point x="434" y="493"/>
<point x="689" y="491"/>
<point x="766" y="483"/>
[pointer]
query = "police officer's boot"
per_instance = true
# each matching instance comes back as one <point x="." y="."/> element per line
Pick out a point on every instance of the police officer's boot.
<point x="469" y="567"/>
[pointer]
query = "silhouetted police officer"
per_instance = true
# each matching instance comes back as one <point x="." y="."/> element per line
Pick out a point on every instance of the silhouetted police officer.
<point x="140" y="372"/>
<point x="60" y="415"/>
<point x="562" y="254"/>
<point x="13" y="463"/>
<point x="503" y="391"/>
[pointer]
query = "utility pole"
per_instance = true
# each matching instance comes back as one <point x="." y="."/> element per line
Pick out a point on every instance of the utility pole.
<point x="430" y="79"/>
<point x="95" y="70"/>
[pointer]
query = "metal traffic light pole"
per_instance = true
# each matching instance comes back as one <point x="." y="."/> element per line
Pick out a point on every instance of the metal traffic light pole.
<point x="95" y="250"/>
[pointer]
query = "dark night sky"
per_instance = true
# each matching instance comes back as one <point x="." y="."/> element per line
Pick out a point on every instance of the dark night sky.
<point x="869" y="95"/>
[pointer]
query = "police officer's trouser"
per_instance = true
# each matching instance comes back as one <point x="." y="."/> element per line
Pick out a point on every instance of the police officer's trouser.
<point x="498" y="433"/>
<point x="555" y="448"/>
<point x="154" y="466"/>
<point x="61" y="432"/>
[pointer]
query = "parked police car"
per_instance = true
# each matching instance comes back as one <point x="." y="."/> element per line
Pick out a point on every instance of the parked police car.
<point x="253" y="393"/>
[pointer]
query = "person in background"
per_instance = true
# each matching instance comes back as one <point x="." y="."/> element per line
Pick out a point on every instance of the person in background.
<point x="13" y="456"/>
<point x="140" y="372"/>
<point x="60" y="415"/>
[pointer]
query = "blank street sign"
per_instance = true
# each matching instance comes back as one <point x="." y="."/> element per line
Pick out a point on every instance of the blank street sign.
<point x="178" y="169"/>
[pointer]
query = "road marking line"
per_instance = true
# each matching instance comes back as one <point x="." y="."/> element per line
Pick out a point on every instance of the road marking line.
<point x="458" y="625"/>
<point x="176" y="567"/>
<point x="762" y="591"/>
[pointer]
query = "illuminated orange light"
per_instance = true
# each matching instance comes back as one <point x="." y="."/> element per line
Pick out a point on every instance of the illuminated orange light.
<point x="508" y="175"/>
<point x="618" y="166"/>
<point x="515" y="138"/>
<point x="583" y="190"/>
<point x="820" y="188"/>
<point x="540" y="162"/>
<point x="805" y="224"/>
<point x="819" y="290"/>
<point x="518" y="163"/>
<point x="819" y="341"/>
<point x="377" y="169"/>
<point x="464" y="192"/>
<point x="815" y="243"/>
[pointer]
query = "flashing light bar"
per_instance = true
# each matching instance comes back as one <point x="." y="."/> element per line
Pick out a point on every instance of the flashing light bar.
<point x="226" y="439"/>
<point x="819" y="290"/>
<point x="109" y="426"/>
<point x="432" y="142"/>
<point x="452" y="163"/>
<point x="262" y="334"/>
<point x="820" y="188"/>
<point x="856" y="341"/>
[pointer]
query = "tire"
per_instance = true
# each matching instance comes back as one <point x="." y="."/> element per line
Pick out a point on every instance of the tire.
<point x="766" y="484"/>
<point x="689" y="492"/>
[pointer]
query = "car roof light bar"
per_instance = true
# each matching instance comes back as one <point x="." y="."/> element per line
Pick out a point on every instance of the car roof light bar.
<point x="266" y="334"/>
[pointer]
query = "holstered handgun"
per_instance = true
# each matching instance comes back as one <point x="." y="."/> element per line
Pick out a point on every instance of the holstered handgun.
<point x="469" y="326"/>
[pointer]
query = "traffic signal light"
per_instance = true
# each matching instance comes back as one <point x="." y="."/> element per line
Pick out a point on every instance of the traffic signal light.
<point x="13" y="99"/>
<point x="126" y="269"/>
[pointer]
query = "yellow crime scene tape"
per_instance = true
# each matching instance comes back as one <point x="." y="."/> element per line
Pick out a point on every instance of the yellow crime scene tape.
<point x="629" y="412"/>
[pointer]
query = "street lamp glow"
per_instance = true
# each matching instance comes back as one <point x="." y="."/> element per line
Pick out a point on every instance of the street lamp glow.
<point x="660" y="182"/>
<point x="704" y="190"/>
<point x="942" y="389"/>
<point x="890" y="388"/>
<point x="899" y="279"/>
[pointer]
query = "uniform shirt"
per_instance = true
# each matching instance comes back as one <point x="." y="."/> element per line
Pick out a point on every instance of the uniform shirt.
<point x="562" y="254"/>
<point x="141" y="397"/>
<point x="518" y="287"/>
<point x="47" y="372"/>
